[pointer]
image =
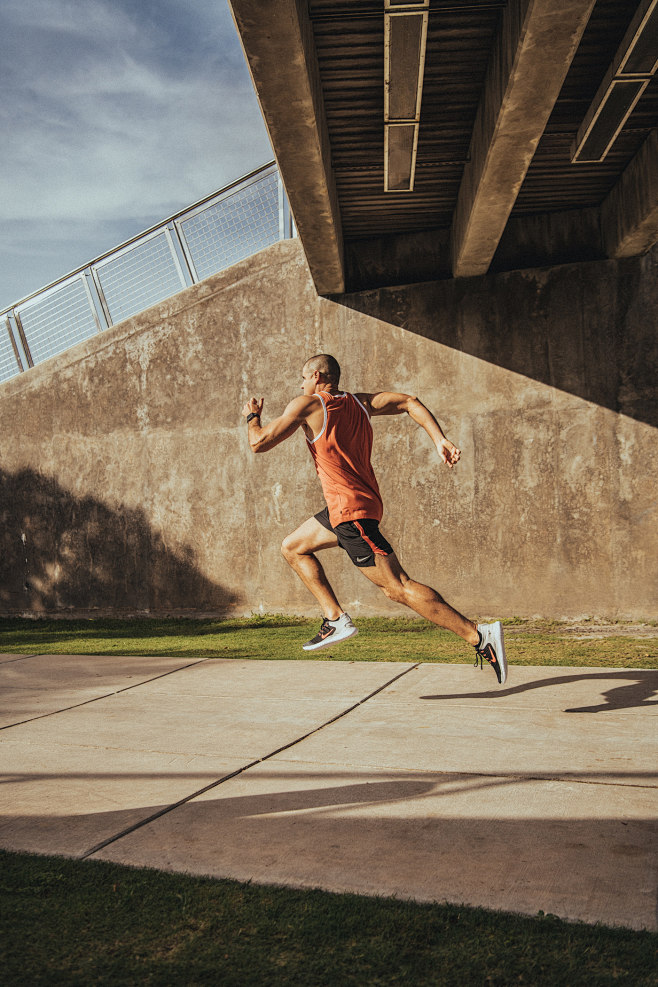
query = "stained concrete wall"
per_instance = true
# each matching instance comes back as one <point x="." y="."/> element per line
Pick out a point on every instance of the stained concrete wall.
<point x="126" y="483"/>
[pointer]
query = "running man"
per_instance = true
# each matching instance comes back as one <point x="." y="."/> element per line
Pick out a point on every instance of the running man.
<point x="339" y="437"/>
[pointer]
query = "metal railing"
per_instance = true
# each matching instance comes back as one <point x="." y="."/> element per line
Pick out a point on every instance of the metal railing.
<point x="225" y="227"/>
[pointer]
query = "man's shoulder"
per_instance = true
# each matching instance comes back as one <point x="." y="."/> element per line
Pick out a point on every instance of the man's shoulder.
<point x="302" y="405"/>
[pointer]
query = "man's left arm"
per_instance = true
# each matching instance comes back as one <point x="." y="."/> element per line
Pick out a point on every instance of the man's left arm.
<point x="392" y="403"/>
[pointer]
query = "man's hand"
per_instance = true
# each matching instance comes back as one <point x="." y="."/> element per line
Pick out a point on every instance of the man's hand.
<point x="254" y="406"/>
<point x="449" y="453"/>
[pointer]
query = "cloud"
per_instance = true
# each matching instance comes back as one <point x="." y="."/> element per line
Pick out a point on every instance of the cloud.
<point x="113" y="109"/>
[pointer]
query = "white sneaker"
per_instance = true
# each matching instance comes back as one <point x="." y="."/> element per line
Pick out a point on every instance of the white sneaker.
<point x="492" y="648"/>
<point x="332" y="632"/>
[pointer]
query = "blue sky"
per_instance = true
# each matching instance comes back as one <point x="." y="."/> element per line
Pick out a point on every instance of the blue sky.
<point x="114" y="115"/>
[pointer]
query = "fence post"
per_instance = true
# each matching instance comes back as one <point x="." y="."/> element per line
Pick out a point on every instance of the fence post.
<point x="181" y="256"/>
<point x="282" y="206"/>
<point x="26" y="348"/>
<point x="95" y="302"/>
<point x="105" y="308"/>
<point x="13" y="344"/>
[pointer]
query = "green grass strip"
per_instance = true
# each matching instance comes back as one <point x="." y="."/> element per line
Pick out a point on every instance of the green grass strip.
<point x="277" y="637"/>
<point x="81" y="923"/>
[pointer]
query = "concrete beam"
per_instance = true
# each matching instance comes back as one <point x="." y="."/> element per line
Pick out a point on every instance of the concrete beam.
<point x="629" y="215"/>
<point x="397" y="259"/>
<point x="534" y="49"/>
<point x="540" y="240"/>
<point x="277" y="38"/>
<point x="548" y="239"/>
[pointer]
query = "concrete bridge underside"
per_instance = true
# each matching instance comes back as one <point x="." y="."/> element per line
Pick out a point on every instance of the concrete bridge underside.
<point x="503" y="92"/>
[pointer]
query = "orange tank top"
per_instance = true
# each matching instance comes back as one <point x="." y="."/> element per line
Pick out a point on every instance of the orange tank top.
<point x="341" y="453"/>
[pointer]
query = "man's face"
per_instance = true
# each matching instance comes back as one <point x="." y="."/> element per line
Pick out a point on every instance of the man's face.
<point x="308" y="381"/>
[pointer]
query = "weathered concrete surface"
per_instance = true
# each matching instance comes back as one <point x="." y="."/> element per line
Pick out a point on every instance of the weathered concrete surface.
<point x="582" y="852"/>
<point x="79" y="776"/>
<point x="35" y="685"/>
<point x="437" y="786"/>
<point x="126" y="483"/>
<point x="531" y="720"/>
<point x="629" y="215"/>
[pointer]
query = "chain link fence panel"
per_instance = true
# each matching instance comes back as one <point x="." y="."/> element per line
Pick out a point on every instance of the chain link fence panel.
<point x="232" y="224"/>
<point x="138" y="277"/>
<point x="8" y="363"/>
<point x="235" y="227"/>
<point x="57" y="320"/>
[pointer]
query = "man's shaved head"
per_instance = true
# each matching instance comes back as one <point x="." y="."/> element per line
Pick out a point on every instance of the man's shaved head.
<point x="327" y="365"/>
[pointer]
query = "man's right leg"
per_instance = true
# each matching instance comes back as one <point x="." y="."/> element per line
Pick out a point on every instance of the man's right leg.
<point x="388" y="574"/>
<point x="298" y="550"/>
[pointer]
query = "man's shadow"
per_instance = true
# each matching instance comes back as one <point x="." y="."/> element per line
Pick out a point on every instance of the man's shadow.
<point x="637" y="694"/>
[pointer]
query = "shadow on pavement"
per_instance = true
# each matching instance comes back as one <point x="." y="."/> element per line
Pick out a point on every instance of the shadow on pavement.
<point x="637" y="695"/>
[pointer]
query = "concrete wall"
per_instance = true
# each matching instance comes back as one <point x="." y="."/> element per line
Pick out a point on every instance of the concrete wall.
<point x="126" y="483"/>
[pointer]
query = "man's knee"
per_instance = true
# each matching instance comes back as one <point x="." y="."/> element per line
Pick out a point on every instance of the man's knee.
<point x="395" y="592"/>
<point x="288" y="548"/>
<point x="293" y="546"/>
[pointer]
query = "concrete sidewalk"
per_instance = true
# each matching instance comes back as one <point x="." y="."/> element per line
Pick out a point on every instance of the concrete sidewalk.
<point x="427" y="782"/>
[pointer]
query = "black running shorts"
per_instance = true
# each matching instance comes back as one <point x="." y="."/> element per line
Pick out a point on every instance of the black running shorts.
<point x="362" y="539"/>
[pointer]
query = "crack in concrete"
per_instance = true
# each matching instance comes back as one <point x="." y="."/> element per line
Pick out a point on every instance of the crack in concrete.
<point x="107" y="695"/>
<point x="239" y="771"/>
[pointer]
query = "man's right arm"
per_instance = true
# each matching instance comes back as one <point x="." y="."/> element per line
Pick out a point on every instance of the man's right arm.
<point x="262" y="438"/>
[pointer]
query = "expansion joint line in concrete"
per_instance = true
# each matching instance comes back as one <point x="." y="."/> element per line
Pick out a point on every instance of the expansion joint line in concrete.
<point x="107" y="695"/>
<point x="239" y="771"/>
<point x="20" y="658"/>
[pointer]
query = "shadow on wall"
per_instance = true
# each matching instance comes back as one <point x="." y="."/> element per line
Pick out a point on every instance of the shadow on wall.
<point x="62" y="553"/>
<point x="588" y="329"/>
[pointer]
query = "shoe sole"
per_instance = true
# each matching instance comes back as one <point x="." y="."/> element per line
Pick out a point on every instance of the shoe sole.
<point x="330" y="641"/>
<point x="499" y="645"/>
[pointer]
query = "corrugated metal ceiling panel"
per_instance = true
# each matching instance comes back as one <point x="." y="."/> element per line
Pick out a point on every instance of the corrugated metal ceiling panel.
<point x="349" y="39"/>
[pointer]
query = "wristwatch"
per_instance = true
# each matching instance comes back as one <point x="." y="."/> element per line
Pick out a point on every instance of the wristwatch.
<point x="254" y="414"/>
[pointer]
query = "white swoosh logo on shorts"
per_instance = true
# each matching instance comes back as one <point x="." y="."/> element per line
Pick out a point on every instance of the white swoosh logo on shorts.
<point x="364" y="559"/>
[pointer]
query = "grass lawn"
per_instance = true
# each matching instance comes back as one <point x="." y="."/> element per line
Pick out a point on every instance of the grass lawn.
<point x="273" y="637"/>
<point x="81" y="923"/>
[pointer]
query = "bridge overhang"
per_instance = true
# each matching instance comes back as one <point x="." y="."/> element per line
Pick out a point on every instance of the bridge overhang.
<point x="501" y="141"/>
